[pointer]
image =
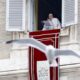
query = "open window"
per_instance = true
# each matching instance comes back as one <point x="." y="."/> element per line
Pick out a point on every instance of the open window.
<point x="65" y="10"/>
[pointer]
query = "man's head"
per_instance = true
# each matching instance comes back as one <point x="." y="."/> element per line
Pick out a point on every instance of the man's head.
<point x="50" y="16"/>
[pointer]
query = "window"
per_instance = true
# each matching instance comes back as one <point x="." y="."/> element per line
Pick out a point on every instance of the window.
<point x="15" y="15"/>
<point x="69" y="12"/>
<point x="65" y="10"/>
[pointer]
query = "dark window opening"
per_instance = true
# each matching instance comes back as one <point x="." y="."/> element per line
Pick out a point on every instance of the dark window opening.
<point x="48" y="6"/>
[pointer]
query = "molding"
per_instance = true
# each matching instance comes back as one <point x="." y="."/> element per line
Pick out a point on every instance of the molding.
<point x="17" y="72"/>
<point x="69" y="43"/>
<point x="70" y="66"/>
<point x="64" y="32"/>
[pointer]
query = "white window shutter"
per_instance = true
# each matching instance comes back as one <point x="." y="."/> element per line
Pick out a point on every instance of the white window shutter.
<point x="15" y="15"/>
<point x="69" y="12"/>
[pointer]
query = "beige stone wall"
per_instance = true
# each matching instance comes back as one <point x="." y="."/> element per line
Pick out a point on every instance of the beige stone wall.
<point x="68" y="38"/>
<point x="70" y="73"/>
<point x="4" y="49"/>
<point x="22" y="76"/>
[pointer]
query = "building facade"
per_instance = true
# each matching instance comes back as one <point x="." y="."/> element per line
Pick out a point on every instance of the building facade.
<point x="13" y="60"/>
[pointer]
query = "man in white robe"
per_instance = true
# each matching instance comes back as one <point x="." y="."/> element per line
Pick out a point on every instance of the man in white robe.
<point x="51" y="23"/>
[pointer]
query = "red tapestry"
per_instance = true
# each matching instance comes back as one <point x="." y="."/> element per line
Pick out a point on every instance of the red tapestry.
<point x="49" y="37"/>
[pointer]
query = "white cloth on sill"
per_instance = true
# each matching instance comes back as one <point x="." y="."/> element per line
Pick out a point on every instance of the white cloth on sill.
<point x="52" y="24"/>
